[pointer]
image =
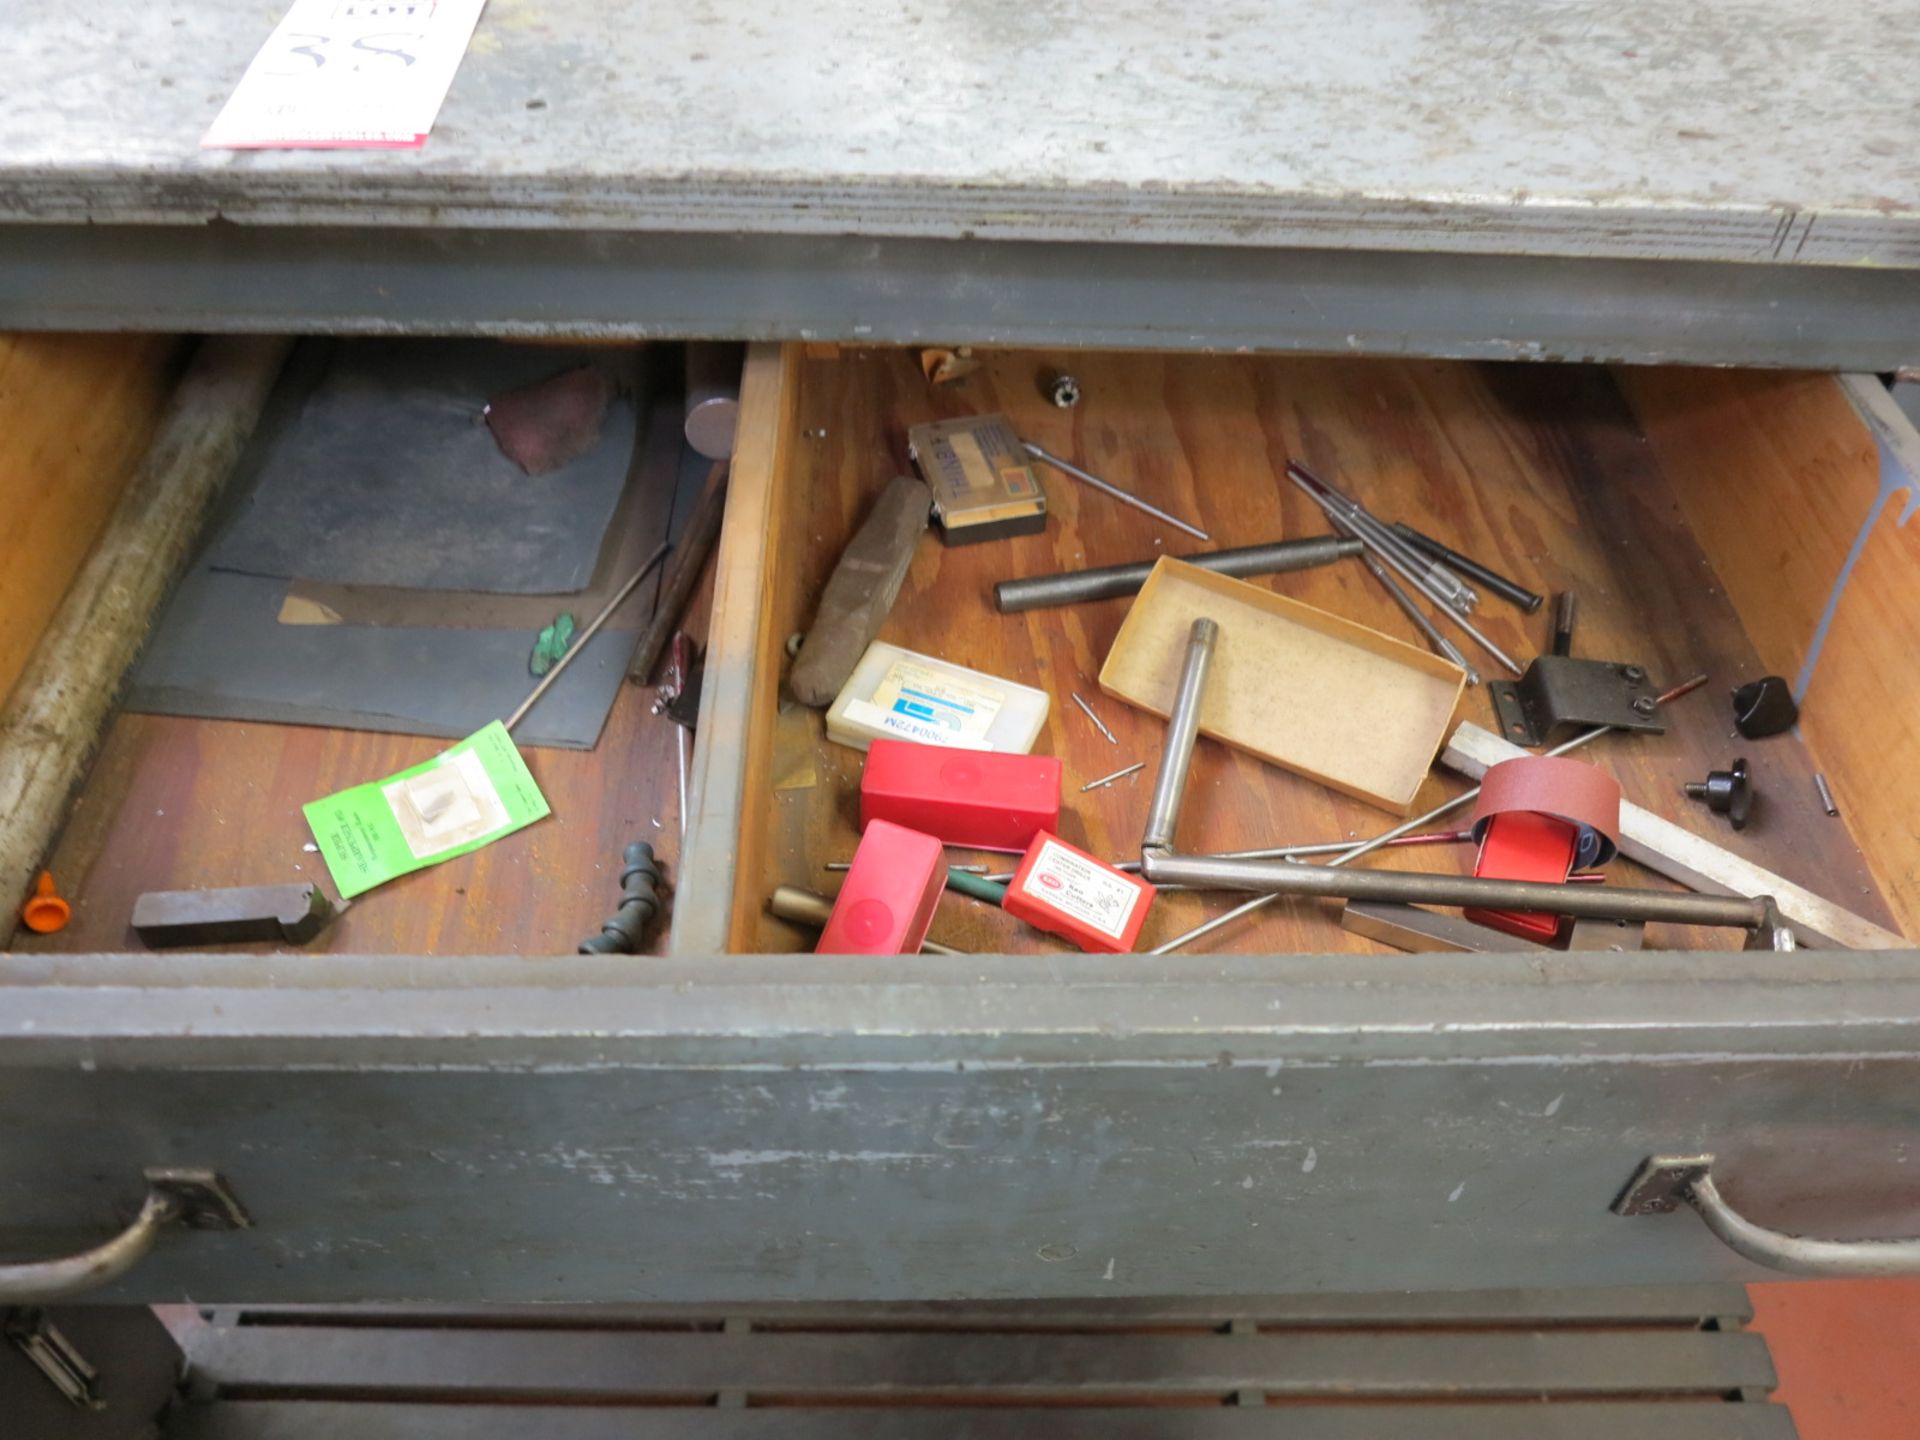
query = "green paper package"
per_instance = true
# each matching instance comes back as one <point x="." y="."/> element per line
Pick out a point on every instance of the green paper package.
<point x="466" y="797"/>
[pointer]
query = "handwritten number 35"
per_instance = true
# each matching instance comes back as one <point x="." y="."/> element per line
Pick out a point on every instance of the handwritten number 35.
<point x="317" y="48"/>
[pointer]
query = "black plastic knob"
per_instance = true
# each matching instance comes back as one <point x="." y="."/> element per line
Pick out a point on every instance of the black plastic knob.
<point x="1764" y="707"/>
<point x="1727" y="792"/>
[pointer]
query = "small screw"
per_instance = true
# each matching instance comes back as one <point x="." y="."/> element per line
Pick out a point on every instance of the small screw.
<point x="1064" y="391"/>
<point x="1633" y="673"/>
<point x="1645" y="705"/>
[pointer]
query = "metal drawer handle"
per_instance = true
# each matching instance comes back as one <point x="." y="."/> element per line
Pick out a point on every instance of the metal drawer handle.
<point x="196" y="1198"/>
<point x="1665" y="1181"/>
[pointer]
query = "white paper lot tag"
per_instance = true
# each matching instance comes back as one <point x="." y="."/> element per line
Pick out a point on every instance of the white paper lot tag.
<point x="348" y="74"/>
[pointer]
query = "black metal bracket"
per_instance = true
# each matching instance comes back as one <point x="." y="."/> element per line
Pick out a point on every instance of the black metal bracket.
<point x="1558" y="691"/>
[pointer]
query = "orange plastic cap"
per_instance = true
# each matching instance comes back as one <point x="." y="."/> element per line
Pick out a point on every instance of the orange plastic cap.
<point x="45" y="912"/>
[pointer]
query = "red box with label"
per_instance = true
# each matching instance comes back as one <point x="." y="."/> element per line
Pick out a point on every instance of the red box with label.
<point x="1067" y="892"/>
<point x="888" y="900"/>
<point x="981" y="799"/>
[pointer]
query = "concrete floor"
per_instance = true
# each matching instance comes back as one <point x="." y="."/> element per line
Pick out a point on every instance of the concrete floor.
<point x="1848" y="1353"/>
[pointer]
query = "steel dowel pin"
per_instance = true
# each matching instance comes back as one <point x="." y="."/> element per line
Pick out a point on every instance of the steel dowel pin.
<point x="1506" y="589"/>
<point x="1067" y="467"/>
<point x="1826" y="794"/>
<point x="1183" y="727"/>
<point x="1120" y="774"/>
<point x="1439" y="580"/>
<point x="1450" y="588"/>
<point x="1426" y="627"/>
<point x="1419" y="582"/>
<point x="1566" y="612"/>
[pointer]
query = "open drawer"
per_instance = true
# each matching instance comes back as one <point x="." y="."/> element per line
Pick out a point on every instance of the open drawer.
<point x="1288" y="1108"/>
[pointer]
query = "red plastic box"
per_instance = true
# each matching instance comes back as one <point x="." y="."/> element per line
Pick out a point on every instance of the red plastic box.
<point x="887" y="903"/>
<point x="1526" y="845"/>
<point x="977" y="798"/>
<point x="1067" y="892"/>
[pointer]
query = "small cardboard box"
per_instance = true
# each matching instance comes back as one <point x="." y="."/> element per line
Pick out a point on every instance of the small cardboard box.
<point x="1311" y="692"/>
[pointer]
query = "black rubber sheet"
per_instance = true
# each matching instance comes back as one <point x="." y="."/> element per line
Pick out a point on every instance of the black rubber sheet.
<point x="385" y="472"/>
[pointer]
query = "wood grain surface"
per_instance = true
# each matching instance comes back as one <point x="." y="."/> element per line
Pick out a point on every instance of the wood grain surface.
<point x="76" y="413"/>
<point x="176" y="803"/>
<point x="1542" y="472"/>
<point x="1779" y="478"/>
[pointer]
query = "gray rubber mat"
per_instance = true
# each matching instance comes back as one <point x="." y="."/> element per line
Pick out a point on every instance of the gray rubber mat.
<point x="220" y="651"/>
<point x="385" y="472"/>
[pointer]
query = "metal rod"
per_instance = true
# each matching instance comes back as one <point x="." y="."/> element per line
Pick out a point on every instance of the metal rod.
<point x="1116" y="775"/>
<point x="1367" y="847"/>
<point x="1075" y="587"/>
<point x="1602" y="902"/>
<point x="1067" y="467"/>
<point x="1438" y="582"/>
<point x="803" y="907"/>
<point x="580" y="641"/>
<point x="1329" y="847"/>
<point x="680" y="747"/>
<point x="1183" y="726"/>
<point x="1566" y="610"/>
<point x="1443" y="584"/>
<point x="1826" y="795"/>
<point x="1508" y="590"/>
<point x="1098" y="723"/>
<point x="844" y="865"/>
<point x="1418" y="582"/>
<point x="1419" y="618"/>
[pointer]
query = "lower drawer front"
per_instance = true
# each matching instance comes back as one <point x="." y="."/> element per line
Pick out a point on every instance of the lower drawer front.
<point x="741" y="1129"/>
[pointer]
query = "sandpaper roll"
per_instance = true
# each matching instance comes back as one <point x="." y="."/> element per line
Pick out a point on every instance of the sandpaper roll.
<point x="861" y="590"/>
<point x="553" y="423"/>
<point x="1582" y="795"/>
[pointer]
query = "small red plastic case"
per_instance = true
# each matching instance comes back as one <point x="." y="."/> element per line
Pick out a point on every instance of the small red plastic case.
<point x="1067" y="892"/>
<point x="1526" y="845"/>
<point x="887" y="903"/>
<point x="981" y="799"/>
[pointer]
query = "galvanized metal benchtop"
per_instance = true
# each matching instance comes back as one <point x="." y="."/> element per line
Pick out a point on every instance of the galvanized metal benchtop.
<point x="1493" y="178"/>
